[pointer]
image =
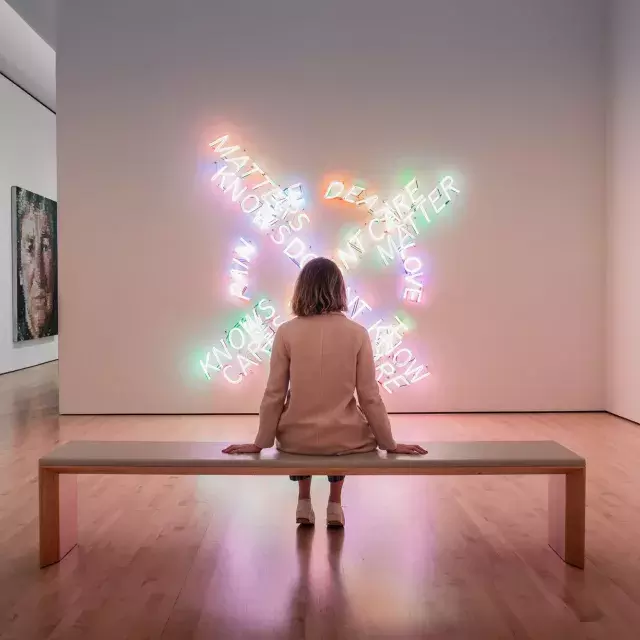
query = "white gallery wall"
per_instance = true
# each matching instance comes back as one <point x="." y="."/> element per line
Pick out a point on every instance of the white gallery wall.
<point x="25" y="57"/>
<point x="28" y="160"/>
<point x="507" y="97"/>
<point x="623" y="284"/>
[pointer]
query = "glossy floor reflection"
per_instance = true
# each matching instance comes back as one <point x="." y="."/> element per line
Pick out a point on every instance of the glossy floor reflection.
<point x="215" y="557"/>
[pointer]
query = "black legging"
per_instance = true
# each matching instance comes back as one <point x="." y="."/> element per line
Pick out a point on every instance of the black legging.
<point x="331" y="478"/>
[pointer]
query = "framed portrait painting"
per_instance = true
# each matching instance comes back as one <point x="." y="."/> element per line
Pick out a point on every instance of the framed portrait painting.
<point x="35" y="266"/>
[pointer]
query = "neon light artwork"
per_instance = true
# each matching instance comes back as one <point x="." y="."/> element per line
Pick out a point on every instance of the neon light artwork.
<point x="390" y="231"/>
<point x="297" y="252"/>
<point x="438" y="198"/>
<point x="412" y="273"/>
<point x="392" y="227"/>
<point x="239" y="272"/>
<point x="276" y="210"/>
<point x="394" y="366"/>
<point x="247" y="344"/>
<point x="355" y="249"/>
<point x="355" y="304"/>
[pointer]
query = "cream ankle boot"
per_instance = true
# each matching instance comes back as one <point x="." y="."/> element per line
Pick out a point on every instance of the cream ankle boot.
<point x="335" y="515"/>
<point x="304" y="513"/>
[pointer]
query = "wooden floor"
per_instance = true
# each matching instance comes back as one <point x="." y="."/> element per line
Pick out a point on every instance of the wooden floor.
<point x="219" y="558"/>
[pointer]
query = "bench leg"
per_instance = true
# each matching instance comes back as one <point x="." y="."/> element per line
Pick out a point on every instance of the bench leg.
<point x="567" y="494"/>
<point x="58" y="516"/>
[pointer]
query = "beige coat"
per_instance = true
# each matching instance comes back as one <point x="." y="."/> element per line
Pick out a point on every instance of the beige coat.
<point x="317" y="363"/>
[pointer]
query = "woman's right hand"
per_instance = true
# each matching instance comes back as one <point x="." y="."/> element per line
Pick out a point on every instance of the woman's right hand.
<point x="409" y="449"/>
<point x="242" y="448"/>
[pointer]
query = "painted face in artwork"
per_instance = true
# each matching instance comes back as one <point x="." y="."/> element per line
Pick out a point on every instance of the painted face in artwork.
<point x="37" y="270"/>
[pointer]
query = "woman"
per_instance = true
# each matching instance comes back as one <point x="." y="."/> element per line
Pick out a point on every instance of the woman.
<point x="318" y="360"/>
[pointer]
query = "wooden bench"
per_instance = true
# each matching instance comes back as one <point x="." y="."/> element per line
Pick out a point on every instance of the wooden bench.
<point x="58" y="470"/>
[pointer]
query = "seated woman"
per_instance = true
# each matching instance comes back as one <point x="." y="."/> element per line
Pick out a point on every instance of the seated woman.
<point x="318" y="360"/>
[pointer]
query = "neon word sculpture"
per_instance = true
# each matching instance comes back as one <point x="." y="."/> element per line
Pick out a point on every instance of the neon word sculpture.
<point x="398" y="365"/>
<point x="394" y="366"/>
<point x="387" y="337"/>
<point x="246" y="344"/>
<point x="274" y="197"/>
<point x="281" y="211"/>
<point x="412" y="293"/>
<point x="404" y="240"/>
<point x="439" y="197"/>
<point x="242" y="255"/>
<point x="402" y="218"/>
<point x="393" y="222"/>
<point x="355" y="304"/>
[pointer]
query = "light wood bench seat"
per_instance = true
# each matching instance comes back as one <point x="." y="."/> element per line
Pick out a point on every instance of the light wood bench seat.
<point x="58" y="470"/>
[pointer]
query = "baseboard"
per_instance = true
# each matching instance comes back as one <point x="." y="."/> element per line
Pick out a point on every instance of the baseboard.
<point x="615" y="415"/>
<point x="31" y="366"/>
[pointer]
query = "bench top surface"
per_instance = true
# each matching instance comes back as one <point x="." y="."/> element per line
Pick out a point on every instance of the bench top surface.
<point x="84" y="453"/>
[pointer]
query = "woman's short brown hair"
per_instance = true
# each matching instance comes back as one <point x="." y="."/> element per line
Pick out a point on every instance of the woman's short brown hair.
<point x="319" y="289"/>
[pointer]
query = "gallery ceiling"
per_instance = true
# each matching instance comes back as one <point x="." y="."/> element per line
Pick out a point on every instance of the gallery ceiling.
<point x="40" y="15"/>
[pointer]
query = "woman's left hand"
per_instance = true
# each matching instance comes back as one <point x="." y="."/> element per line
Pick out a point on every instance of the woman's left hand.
<point x="242" y="448"/>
